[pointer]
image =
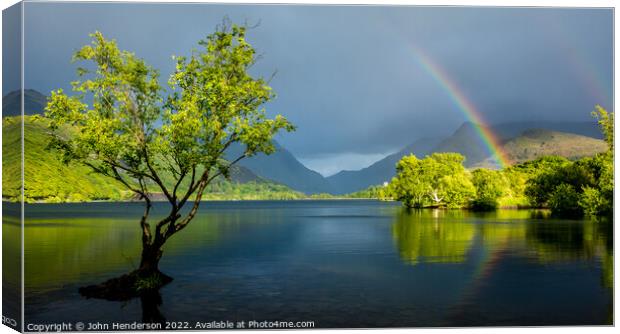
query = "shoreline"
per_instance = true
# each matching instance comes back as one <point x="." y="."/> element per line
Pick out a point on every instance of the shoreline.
<point x="510" y="207"/>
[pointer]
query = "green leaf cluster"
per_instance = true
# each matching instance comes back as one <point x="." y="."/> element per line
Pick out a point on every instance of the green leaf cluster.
<point x="169" y="140"/>
<point x="579" y="187"/>
<point x="437" y="180"/>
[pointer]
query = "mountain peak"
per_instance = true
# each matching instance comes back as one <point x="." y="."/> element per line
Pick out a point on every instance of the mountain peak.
<point x="34" y="102"/>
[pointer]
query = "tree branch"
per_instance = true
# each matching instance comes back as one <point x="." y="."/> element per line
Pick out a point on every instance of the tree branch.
<point x="157" y="179"/>
<point x="146" y="228"/>
<point x="176" y="186"/>
<point x="201" y="187"/>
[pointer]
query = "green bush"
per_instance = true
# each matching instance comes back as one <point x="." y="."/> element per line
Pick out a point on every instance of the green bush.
<point x="564" y="201"/>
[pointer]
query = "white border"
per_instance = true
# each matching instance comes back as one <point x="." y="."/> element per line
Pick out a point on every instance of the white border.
<point x="494" y="3"/>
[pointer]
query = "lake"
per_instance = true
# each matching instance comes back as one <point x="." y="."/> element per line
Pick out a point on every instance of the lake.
<point x="338" y="263"/>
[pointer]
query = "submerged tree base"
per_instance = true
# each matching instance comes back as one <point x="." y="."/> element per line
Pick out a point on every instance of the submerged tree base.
<point x="135" y="284"/>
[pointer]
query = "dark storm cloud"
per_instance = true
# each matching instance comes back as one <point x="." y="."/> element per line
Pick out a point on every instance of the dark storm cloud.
<point x="346" y="75"/>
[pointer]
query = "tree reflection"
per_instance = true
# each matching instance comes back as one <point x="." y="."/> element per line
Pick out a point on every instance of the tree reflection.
<point x="567" y="240"/>
<point x="559" y="241"/>
<point x="433" y="236"/>
<point x="150" y="303"/>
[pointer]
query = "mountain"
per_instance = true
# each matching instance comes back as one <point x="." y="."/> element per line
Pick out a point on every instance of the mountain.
<point x="466" y="141"/>
<point x="508" y="131"/>
<point x="282" y="167"/>
<point x="50" y="180"/>
<point x="34" y="102"/>
<point x="535" y="143"/>
<point x="520" y="143"/>
<point x="524" y="140"/>
<point x="381" y="171"/>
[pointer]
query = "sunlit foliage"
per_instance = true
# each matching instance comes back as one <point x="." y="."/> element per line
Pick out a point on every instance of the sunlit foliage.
<point x="568" y="188"/>
<point x="131" y="131"/>
<point x="437" y="180"/>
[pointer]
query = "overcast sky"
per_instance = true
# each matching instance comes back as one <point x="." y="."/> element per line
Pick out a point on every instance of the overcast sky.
<point x="347" y="76"/>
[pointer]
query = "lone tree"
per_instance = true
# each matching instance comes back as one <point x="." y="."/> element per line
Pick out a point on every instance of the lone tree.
<point x="173" y="144"/>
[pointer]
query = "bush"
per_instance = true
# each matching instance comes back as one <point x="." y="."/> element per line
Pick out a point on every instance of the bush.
<point x="490" y="187"/>
<point x="564" y="201"/>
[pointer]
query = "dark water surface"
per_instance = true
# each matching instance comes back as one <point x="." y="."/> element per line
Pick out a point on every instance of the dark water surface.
<point x="337" y="263"/>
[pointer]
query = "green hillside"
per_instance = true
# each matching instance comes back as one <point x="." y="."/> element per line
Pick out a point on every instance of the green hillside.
<point x="536" y="143"/>
<point x="47" y="179"/>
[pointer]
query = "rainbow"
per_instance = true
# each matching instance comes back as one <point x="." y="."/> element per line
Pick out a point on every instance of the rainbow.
<point x="464" y="105"/>
<point x="589" y="75"/>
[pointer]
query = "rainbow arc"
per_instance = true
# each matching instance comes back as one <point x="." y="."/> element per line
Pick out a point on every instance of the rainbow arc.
<point x="464" y="105"/>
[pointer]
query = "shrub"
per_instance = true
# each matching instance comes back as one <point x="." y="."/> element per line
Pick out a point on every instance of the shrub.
<point x="564" y="201"/>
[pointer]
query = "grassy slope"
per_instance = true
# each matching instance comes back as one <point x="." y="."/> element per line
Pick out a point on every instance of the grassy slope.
<point x="49" y="180"/>
<point x="537" y="143"/>
<point x="46" y="177"/>
<point x="533" y="144"/>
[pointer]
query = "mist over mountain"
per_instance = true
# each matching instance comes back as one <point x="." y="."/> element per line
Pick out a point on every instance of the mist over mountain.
<point x="379" y="172"/>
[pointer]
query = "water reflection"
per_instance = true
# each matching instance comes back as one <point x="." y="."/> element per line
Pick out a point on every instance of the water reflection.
<point x="340" y="263"/>
<point x="432" y="236"/>
<point x="150" y="304"/>
<point x="427" y="236"/>
<point x="447" y="235"/>
<point x="488" y="239"/>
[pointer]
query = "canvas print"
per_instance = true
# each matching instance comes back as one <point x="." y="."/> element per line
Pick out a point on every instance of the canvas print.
<point x="204" y="166"/>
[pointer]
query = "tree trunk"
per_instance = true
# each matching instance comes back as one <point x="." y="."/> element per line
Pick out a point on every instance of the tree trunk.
<point x="149" y="263"/>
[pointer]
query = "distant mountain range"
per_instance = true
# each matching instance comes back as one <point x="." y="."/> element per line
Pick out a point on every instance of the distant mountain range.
<point x="284" y="168"/>
<point x="381" y="171"/>
<point x="527" y="144"/>
<point x="520" y="141"/>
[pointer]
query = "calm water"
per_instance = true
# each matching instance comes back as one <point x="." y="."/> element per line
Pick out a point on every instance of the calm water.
<point x="338" y="263"/>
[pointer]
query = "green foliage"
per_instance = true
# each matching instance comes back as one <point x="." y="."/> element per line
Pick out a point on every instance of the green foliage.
<point x="322" y="196"/>
<point x="591" y="201"/>
<point x="376" y="192"/>
<point x="582" y="186"/>
<point x="542" y="164"/>
<point x="151" y="282"/>
<point x="564" y="201"/>
<point x="47" y="178"/>
<point x="577" y="174"/>
<point x="566" y="187"/>
<point x="226" y="190"/>
<point x="439" y="180"/>
<point x="457" y="190"/>
<point x="134" y="133"/>
<point x="606" y="123"/>
<point x="490" y="187"/>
